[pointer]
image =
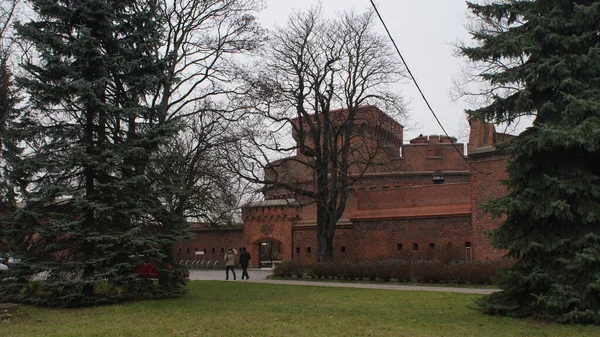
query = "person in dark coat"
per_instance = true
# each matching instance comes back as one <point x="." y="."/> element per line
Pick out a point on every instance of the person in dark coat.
<point x="244" y="258"/>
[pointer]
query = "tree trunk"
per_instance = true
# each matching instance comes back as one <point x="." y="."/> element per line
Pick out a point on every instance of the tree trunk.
<point x="325" y="253"/>
<point x="89" y="222"/>
<point x="325" y="230"/>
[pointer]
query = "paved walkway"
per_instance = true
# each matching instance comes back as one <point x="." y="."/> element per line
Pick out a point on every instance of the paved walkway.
<point x="260" y="276"/>
<point x="205" y="275"/>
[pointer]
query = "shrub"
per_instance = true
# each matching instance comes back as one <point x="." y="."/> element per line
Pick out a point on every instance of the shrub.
<point x="403" y="270"/>
<point x="286" y="269"/>
<point x="330" y="270"/>
<point x="352" y="271"/>
<point x="462" y="272"/>
<point x="370" y="270"/>
<point x="317" y="270"/>
<point x="384" y="270"/>
<point x="426" y="271"/>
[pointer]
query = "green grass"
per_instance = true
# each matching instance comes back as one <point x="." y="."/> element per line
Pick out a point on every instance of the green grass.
<point x="216" y="308"/>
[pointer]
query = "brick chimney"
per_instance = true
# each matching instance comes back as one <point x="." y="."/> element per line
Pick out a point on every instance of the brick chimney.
<point x="481" y="134"/>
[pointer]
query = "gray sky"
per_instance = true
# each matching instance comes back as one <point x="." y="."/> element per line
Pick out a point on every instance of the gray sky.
<point x="424" y="31"/>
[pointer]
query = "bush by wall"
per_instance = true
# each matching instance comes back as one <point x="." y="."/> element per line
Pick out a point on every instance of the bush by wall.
<point x="398" y="270"/>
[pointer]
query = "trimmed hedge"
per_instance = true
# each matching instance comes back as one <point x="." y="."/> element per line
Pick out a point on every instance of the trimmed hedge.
<point x="421" y="271"/>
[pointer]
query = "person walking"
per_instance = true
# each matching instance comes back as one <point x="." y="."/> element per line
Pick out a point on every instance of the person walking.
<point x="244" y="258"/>
<point x="230" y="262"/>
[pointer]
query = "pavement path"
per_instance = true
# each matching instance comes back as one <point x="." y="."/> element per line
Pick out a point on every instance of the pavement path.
<point x="260" y="276"/>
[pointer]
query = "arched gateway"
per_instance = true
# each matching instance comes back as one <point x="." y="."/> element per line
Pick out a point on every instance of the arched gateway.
<point x="269" y="252"/>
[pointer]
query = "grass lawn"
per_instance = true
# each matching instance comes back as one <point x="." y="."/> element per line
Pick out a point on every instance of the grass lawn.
<point x="217" y="308"/>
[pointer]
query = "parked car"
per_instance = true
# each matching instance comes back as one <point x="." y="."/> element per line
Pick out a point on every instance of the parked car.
<point x="3" y="268"/>
<point x="13" y="263"/>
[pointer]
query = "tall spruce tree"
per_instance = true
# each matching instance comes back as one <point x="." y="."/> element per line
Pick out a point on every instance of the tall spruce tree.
<point x="91" y="216"/>
<point x="542" y="58"/>
<point x="9" y="98"/>
<point x="8" y="112"/>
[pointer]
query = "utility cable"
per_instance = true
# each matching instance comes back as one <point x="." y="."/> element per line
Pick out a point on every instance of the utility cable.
<point x="418" y="87"/>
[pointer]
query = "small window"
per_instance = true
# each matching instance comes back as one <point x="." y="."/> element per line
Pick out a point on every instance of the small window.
<point x="415" y="246"/>
<point x="298" y="250"/>
<point x="204" y="250"/>
<point x="222" y="250"/>
<point x="398" y="246"/>
<point x="467" y="244"/>
<point x="432" y="246"/>
<point x="308" y="250"/>
<point x="187" y="250"/>
<point x="213" y="250"/>
<point x="449" y="245"/>
<point x="195" y="249"/>
<point x="343" y="249"/>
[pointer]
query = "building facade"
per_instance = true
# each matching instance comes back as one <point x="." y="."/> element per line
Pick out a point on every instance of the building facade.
<point x="423" y="197"/>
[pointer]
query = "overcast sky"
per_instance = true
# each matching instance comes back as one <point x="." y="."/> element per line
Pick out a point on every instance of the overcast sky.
<point x="424" y="31"/>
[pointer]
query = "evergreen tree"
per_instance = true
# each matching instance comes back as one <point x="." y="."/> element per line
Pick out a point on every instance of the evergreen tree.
<point x="542" y="59"/>
<point x="91" y="216"/>
<point x="9" y="97"/>
<point x="8" y="112"/>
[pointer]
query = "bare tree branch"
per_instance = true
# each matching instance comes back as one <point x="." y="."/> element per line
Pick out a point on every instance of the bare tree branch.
<point x="320" y="80"/>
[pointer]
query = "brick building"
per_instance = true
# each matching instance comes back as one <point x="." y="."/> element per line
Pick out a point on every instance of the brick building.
<point x="422" y="197"/>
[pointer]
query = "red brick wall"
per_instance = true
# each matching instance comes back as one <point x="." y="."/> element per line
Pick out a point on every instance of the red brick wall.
<point x="405" y="183"/>
<point x="405" y="179"/>
<point x="306" y="237"/>
<point x="415" y="167"/>
<point x="418" y="196"/>
<point x="481" y="134"/>
<point x="207" y="240"/>
<point x="379" y="239"/>
<point x="426" y="157"/>
<point x="272" y="223"/>
<point x="486" y="186"/>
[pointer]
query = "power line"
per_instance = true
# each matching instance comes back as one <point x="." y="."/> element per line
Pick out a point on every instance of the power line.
<point x="417" y="85"/>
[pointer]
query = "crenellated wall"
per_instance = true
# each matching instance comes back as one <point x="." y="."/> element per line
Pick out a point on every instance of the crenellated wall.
<point x="396" y="210"/>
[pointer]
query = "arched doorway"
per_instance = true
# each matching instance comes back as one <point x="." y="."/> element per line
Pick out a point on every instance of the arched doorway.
<point x="269" y="253"/>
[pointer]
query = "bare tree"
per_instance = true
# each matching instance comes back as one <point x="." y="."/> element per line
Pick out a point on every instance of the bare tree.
<point x="471" y="84"/>
<point x="320" y="79"/>
<point x="8" y="11"/>
<point x="198" y="185"/>
<point x="201" y="42"/>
